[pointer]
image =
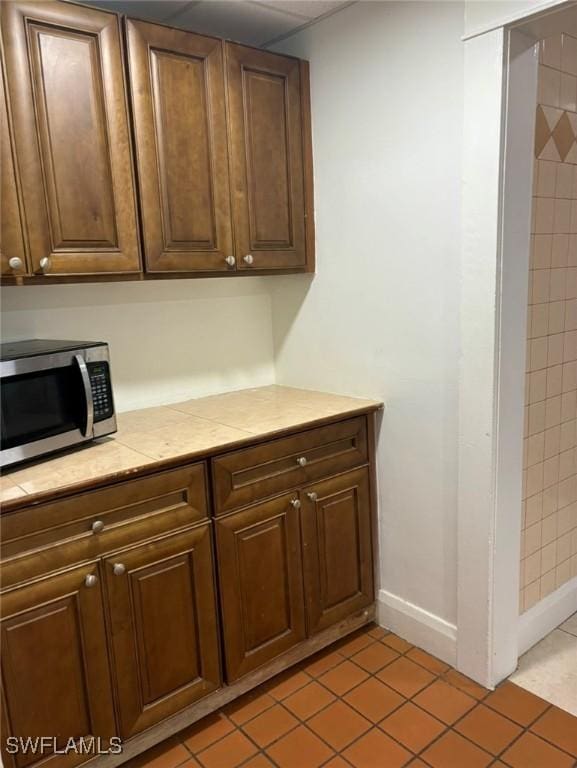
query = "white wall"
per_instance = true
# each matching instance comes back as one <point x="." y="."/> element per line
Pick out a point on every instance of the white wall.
<point x="169" y="340"/>
<point x="381" y="318"/>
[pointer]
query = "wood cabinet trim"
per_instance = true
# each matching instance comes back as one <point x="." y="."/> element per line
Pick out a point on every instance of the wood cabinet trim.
<point x="13" y="243"/>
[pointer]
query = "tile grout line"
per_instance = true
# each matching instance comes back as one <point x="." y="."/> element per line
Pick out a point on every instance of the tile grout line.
<point x="436" y="677"/>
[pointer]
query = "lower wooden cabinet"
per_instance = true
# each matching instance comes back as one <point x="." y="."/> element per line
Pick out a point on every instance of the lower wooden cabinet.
<point x="292" y="566"/>
<point x="130" y="638"/>
<point x="165" y="643"/>
<point x="337" y="548"/>
<point x="55" y="671"/>
<point x="261" y="588"/>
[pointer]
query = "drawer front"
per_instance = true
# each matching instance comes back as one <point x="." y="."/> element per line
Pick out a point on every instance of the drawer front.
<point x="245" y="476"/>
<point x="88" y="525"/>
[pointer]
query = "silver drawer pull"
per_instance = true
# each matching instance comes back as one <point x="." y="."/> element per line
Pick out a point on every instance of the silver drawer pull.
<point x="97" y="526"/>
<point x="248" y="259"/>
<point x="118" y="569"/>
<point x="231" y="261"/>
<point x="312" y="496"/>
<point x="295" y="503"/>
<point x="302" y="461"/>
<point x="91" y="580"/>
<point x="15" y="263"/>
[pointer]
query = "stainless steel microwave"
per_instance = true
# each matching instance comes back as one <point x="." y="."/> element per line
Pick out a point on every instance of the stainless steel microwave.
<point x="53" y="395"/>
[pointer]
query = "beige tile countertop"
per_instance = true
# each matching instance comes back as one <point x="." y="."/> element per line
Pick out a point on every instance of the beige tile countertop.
<point x="179" y="431"/>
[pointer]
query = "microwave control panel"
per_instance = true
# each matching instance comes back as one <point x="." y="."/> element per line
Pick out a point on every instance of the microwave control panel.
<point x="101" y="390"/>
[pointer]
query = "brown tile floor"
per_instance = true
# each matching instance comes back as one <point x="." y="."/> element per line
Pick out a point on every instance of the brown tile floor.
<point x="374" y="701"/>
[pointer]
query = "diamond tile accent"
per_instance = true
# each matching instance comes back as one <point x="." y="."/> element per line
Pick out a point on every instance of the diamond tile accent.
<point x="563" y="136"/>
<point x="542" y="131"/>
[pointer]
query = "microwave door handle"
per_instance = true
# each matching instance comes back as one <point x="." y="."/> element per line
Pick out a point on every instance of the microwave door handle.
<point x="87" y="395"/>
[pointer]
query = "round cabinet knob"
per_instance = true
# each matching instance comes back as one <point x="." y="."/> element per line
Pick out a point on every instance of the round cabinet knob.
<point x="248" y="259"/>
<point x="302" y="461"/>
<point x="119" y="569"/>
<point x="231" y="261"/>
<point x="91" y="580"/>
<point x="15" y="263"/>
<point x="97" y="526"/>
<point x="44" y="263"/>
<point x="295" y="503"/>
<point x="312" y="496"/>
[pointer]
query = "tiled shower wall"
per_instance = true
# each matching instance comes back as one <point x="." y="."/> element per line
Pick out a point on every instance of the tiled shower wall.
<point x="549" y="537"/>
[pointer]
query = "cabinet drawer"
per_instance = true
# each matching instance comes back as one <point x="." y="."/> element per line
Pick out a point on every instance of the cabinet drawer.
<point x="255" y="473"/>
<point x="93" y="523"/>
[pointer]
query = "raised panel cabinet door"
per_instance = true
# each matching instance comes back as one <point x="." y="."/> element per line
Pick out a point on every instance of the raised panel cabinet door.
<point x="260" y="572"/>
<point x="55" y="672"/>
<point x="163" y="627"/>
<point x="12" y="249"/>
<point x="266" y="141"/>
<point x="65" y="84"/>
<point x="337" y="548"/>
<point x="177" y="90"/>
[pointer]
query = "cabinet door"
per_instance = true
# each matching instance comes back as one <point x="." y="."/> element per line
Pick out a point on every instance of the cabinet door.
<point x="261" y="591"/>
<point x="11" y="236"/>
<point x="264" y="97"/>
<point x="66" y="89"/>
<point x="337" y="548"/>
<point x="55" y="670"/>
<point x="177" y="89"/>
<point x="163" y="627"/>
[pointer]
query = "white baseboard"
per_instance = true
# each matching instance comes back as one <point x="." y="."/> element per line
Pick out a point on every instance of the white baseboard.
<point x="546" y="615"/>
<point x="418" y="626"/>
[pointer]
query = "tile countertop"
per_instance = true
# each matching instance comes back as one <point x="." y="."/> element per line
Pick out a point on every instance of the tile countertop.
<point x="166" y="434"/>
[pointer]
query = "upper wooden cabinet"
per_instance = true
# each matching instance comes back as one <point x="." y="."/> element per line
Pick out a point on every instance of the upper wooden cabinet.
<point x="65" y="83"/>
<point x="178" y="97"/>
<point x="212" y="164"/>
<point x="267" y="159"/>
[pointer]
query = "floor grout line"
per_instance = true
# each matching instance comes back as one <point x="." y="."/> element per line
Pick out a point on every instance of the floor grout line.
<point x="437" y="676"/>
